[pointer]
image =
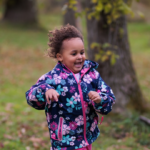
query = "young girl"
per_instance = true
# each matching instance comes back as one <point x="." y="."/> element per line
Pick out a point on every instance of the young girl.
<point x="71" y="93"/>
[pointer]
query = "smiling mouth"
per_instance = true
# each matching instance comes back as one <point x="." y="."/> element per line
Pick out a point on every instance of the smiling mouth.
<point x="78" y="64"/>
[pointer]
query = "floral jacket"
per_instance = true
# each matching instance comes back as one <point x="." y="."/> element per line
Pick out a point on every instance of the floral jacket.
<point x="72" y="121"/>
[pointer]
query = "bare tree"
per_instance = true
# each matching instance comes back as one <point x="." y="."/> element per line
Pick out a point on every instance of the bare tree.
<point x="20" y="11"/>
<point x="69" y="16"/>
<point x="121" y="77"/>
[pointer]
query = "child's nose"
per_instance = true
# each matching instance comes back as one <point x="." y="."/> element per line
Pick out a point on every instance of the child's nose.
<point x="79" y="56"/>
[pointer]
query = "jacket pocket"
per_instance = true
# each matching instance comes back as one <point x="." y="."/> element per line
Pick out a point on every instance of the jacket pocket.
<point x="60" y="128"/>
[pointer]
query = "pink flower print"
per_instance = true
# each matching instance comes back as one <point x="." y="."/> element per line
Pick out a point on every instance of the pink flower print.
<point x="39" y="90"/>
<point x="32" y="97"/>
<point x="63" y="75"/>
<point x="96" y="74"/>
<point x="87" y="79"/>
<point x="60" y="105"/>
<point x="105" y="97"/>
<point x="79" y="138"/>
<point x="83" y="71"/>
<point x="65" y="89"/>
<point x="57" y="69"/>
<point x="63" y="94"/>
<point x="55" y="116"/>
<point x="42" y="77"/>
<point x="93" y="126"/>
<point x="83" y="143"/>
<point x="66" y="129"/>
<point x="92" y="75"/>
<point x="57" y="78"/>
<point x="95" y="120"/>
<point x="53" y="136"/>
<point x="76" y="97"/>
<point x="49" y="76"/>
<point x="72" y="89"/>
<point x="43" y="86"/>
<point x="73" y="138"/>
<point x="85" y="104"/>
<point x="98" y="91"/>
<point x="103" y="89"/>
<point x="79" y="120"/>
<point x="66" y="71"/>
<point x="73" y="125"/>
<point x="53" y="126"/>
<point x="71" y="143"/>
<point x="64" y="148"/>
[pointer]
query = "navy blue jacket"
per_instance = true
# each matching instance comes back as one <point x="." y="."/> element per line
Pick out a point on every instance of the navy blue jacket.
<point x="72" y="121"/>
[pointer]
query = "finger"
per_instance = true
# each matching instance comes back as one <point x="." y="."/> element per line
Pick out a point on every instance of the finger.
<point x="57" y="94"/>
<point x="52" y="99"/>
<point x="55" y="98"/>
<point x="97" y="99"/>
<point x="90" y="95"/>
<point x="93" y="97"/>
<point x="48" y="101"/>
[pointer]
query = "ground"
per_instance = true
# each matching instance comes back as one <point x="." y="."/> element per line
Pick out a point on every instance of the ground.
<point x="23" y="61"/>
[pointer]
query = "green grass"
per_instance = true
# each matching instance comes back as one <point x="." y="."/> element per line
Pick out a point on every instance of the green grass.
<point x="22" y="62"/>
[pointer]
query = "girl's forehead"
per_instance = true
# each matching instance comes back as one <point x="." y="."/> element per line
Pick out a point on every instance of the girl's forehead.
<point x="73" y="43"/>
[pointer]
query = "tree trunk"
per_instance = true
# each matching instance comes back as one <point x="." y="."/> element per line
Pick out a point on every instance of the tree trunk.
<point x="51" y="5"/>
<point x="69" y="16"/>
<point x="20" y="11"/>
<point x="121" y="77"/>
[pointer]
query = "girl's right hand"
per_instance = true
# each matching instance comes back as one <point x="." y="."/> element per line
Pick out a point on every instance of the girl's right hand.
<point x="51" y="95"/>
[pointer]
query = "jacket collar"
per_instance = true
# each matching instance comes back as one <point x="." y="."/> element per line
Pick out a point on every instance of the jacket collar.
<point x="88" y="64"/>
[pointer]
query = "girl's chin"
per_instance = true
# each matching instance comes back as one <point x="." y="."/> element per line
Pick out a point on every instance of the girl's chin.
<point x="77" y="70"/>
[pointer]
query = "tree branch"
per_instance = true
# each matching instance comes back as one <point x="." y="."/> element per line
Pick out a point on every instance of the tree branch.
<point x="144" y="119"/>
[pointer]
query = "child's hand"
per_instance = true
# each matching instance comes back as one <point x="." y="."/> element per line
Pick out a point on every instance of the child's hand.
<point x="94" y="96"/>
<point x="51" y="95"/>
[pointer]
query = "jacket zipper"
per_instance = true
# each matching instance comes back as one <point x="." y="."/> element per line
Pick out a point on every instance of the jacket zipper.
<point x="82" y="102"/>
<point x="83" y="110"/>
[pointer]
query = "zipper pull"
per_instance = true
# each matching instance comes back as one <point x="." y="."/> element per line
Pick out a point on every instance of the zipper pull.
<point x="79" y="82"/>
<point x="101" y="120"/>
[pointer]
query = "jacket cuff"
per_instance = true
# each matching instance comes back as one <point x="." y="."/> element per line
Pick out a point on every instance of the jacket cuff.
<point x="100" y="104"/>
<point x="40" y="95"/>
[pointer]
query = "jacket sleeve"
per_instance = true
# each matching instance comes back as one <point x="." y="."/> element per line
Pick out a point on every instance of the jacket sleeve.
<point x="107" y="97"/>
<point x="36" y="94"/>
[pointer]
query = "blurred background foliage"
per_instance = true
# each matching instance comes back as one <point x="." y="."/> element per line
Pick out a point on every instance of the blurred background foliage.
<point x="23" y="43"/>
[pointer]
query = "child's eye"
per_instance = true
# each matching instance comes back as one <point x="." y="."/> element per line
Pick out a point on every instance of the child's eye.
<point x="82" y="53"/>
<point x="73" y="54"/>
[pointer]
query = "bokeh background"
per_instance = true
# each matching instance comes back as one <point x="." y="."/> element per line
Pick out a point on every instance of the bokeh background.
<point x="24" y="27"/>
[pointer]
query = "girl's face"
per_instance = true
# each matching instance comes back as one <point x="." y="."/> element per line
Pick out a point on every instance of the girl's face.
<point x="72" y="54"/>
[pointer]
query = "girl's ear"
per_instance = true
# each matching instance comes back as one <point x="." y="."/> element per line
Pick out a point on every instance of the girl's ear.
<point x="59" y="57"/>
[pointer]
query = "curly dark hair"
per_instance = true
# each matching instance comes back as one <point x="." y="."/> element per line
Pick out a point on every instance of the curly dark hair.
<point x="57" y="36"/>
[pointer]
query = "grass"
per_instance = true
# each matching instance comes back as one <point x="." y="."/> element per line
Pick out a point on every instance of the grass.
<point x="22" y="62"/>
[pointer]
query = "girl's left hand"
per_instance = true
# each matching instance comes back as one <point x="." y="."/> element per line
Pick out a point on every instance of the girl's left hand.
<point x="94" y="96"/>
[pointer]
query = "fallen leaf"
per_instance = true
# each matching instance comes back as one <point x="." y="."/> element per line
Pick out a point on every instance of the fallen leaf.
<point x="1" y="145"/>
<point x="36" y="145"/>
<point x="46" y="134"/>
<point x="8" y="137"/>
<point x="34" y="139"/>
<point x="27" y="148"/>
<point x="8" y="107"/>
<point x="23" y="130"/>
